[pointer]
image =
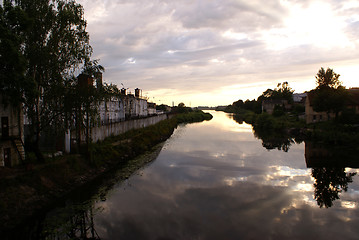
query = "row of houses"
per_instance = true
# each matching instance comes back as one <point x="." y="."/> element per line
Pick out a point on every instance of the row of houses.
<point x="115" y="109"/>
<point x="306" y="100"/>
<point x="118" y="108"/>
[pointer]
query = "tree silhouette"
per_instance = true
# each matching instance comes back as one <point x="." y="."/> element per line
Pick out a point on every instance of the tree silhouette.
<point x="45" y="45"/>
<point x="329" y="182"/>
<point x="329" y="95"/>
<point x="327" y="78"/>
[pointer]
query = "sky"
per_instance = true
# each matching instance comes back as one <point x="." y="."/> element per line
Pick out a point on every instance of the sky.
<point x="214" y="52"/>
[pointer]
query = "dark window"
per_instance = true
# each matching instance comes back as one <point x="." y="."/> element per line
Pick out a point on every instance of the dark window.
<point x="5" y="127"/>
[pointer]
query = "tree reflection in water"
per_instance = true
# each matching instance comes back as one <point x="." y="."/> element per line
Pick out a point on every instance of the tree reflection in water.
<point x="329" y="182"/>
<point x="74" y="222"/>
<point x="328" y="165"/>
<point x="327" y="162"/>
<point x="274" y="139"/>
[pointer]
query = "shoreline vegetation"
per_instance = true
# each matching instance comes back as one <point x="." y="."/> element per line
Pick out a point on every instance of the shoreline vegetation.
<point x="24" y="191"/>
<point x="327" y="115"/>
<point x="334" y="133"/>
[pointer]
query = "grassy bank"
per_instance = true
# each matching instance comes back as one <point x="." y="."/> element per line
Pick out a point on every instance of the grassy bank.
<point x="24" y="191"/>
<point x="330" y="133"/>
<point x="269" y="122"/>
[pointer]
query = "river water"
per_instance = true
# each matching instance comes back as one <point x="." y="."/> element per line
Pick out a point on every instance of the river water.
<point x="215" y="180"/>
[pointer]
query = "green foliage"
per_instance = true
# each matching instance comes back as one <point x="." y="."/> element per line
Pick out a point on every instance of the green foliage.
<point x="43" y="45"/>
<point x="298" y="109"/>
<point x="130" y="144"/>
<point x="348" y="116"/>
<point x="282" y="92"/>
<point x="329" y="95"/>
<point x="196" y="116"/>
<point x="327" y="79"/>
<point x="333" y="133"/>
<point x="13" y="22"/>
<point x="278" y="111"/>
<point x="162" y="107"/>
<point x="181" y="108"/>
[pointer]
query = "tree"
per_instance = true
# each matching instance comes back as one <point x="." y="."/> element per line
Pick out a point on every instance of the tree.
<point x="13" y="22"/>
<point x="329" y="95"/>
<point x="238" y="104"/>
<point x="281" y="92"/>
<point x="327" y="79"/>
<point x="54" y="46"/>
<point x="181" y="105"/>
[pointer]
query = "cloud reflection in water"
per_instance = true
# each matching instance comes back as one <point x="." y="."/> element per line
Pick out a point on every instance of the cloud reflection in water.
<point x="215" y="183"/>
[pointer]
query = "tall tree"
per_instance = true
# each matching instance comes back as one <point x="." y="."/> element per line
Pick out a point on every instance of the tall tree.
<point x="13" y="23"/>
<point x="327" y="79"/>
<point x="281" y="92"/>
<point x="55" y="47"/>
<point x="329" y="95"/>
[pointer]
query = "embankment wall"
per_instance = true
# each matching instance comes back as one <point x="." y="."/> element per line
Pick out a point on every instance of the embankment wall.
<point x="99" y="133"/>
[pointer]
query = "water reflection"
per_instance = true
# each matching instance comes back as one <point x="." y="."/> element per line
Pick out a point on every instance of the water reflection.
<point x="73" y="222"/>
<point x="328" y="163"/>
<point x="214" y="180"/>
<point x="329" y="170"/>
<point x="74" y="217"/>
<point x="329" y="182"/>
<point x="319" y="155"/>
<point x="274" y="139"/>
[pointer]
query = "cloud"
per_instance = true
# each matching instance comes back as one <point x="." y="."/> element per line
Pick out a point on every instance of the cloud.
<point x="188" y="47"/>
<point x="237" y="15"/>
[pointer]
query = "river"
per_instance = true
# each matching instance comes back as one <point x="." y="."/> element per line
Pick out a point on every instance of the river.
<point x="215" y="180"/>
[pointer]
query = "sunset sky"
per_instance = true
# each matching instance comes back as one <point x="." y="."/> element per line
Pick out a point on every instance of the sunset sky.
<point x="214" y="52"/>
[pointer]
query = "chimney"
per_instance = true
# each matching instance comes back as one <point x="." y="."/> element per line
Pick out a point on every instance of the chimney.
<point x="137" y="92"/>
<point x="98" y="77"/>
<point x="84" y="81"/>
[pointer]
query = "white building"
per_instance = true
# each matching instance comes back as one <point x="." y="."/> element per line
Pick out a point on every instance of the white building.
<point x="111" y="111"/>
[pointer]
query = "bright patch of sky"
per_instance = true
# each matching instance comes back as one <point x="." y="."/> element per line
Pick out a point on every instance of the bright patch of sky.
<point x="213" y="52"/>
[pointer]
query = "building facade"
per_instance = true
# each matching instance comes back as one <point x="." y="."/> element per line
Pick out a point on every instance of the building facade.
<point x="12" y="134"/>
<point x="312" y="116"/>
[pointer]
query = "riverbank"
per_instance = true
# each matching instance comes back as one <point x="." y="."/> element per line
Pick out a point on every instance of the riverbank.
<point x="24" y="191"/>
<point x="329" y="133"/>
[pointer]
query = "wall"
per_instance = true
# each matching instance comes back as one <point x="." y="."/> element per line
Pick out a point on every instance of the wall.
<point x="99" y="133"/>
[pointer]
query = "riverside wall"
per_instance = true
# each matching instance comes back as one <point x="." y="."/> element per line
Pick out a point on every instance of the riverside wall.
<point x="99" y="133"/>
